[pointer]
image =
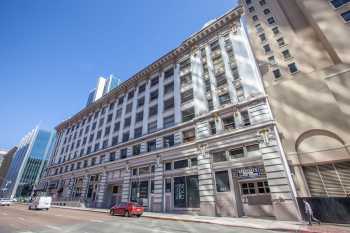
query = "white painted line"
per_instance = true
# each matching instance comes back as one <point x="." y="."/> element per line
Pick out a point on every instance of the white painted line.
<point x="5" y="214"/>
<point x="58" y="215"/>
<point x="20" y="218"/>
<point x="53" y="227"/>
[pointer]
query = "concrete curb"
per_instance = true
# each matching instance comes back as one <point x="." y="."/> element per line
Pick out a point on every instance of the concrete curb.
<point x="297" y="229"/>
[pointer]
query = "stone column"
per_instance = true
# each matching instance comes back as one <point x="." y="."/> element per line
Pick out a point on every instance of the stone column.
<point x="70" y="188"/>
<point x="212" y="78"/>
<point x="199" y="95"/>
<point x="206" y="183"/>
<point x="126" y="185"/>
<point x="84" y="188"/>
<point x="101" y="191"/>
<point x="160" y="101"/>
<point x="157" y="204"/>
<point x="282" y="196"/>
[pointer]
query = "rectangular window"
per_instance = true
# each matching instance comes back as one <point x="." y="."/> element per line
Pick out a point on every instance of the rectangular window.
<point x="153" y="110"/>
<point x="281" y="42"/>
<point x="152" y="127"/>
<point x="93" y="161"/>
<point x="212" y="127"/>
<point x="128" y="108"/>
<point x="168" y="141"/>
<point x="189" y="135"/>
<point x="251" y="9"/>
<point x="107" y="130"/>
<point x="126" y="137"/>
<point x="339" y="3"/>
<point x="139" y="117"/>
<point x="292" y="68"/>
<point x="229" y="123"/>
<point x="154" y="81"/>
<point x="140" y="102"/>
<point x="130" y="95"/>
<point x="94" y="125"/>
<point x="219" y="156"/>
<point x="123" y="153"/>
<point x="271" y="60"/>
<point x="112" y="156"/>
<point x="169" y="88"/>
<point x="181" y="164"/>
<point x="277" y="73"/>
<point x="102" y="158"/>
<point x="222" y="181"/>
<point x="153" y="95"/>
<point x="245" y="118"/>
<point x="116" y="126"/>
<point x="286" y="54"/>
<point x="121" y="100"/>
<point x="127" y="122"/>
<point x="98" y="134"/>
<point x="151" y="145"/>
<point x="224" y="99"/>
<point x="97" y="147"/>
<point x="144" y="171"/>
<point x="188" y="114"/>
<point x="138" y="132"/>
<point x="168" y="166"/>
<point x="255" y="18"/>
<point x="142" y="88"/>
<point x="168" y="73"/>
<point x="262" y="37"/>
<point x="187" y="96"/>
<point x="262" y="2"/>
<point x="236" y="153"/>
<point x="105" y="144"/>
<point x="186" y="80"/>
<point x="168" y="121"/>
<point x="271" y="20"/>
<point x="221" y="80"/>
<point x="275" y="30"/>
<point x="267" y="11"/>
<point x="136" y="149"/>
<point x="111" y="106"/>
<point x="114" y="140"/>
<point x="118" y="113"/>
<point x="168" y="104"/>
<point x="267" y="48"/>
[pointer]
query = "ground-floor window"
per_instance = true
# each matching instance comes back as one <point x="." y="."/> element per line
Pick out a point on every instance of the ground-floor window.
<point x="186" y="192"/>
<point x="255" y="187"/>
<point x="328" y="180"/>
<point x="139" y="190"/>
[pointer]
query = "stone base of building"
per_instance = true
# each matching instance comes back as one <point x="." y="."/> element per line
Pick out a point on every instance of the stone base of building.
<point x="207" y="209"/>
<point x="285" y="210"/>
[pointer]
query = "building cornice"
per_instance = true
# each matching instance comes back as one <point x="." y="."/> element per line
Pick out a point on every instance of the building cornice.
<point x="170" y="57"/>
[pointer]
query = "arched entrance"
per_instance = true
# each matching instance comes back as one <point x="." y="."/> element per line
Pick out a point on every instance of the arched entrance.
<point x="325" y="162"/>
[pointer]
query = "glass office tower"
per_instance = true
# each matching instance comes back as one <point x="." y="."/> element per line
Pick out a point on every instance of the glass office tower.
<point x="28" y="163"/>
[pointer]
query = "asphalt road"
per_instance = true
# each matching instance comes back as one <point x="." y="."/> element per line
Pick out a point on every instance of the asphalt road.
<point x="18" y="219"/>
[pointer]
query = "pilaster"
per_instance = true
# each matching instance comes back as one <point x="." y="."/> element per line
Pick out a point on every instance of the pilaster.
<point x="126" y="185"/>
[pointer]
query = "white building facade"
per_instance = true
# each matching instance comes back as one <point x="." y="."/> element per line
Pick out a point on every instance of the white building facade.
<point x="190" y="133"/>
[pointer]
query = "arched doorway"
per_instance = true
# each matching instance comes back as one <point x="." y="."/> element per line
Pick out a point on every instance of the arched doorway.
<point x="325" y="162"/>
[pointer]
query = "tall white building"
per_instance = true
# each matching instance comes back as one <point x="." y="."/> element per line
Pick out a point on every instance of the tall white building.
<point x="192" y="132"/>
<point x="103" y="86"/>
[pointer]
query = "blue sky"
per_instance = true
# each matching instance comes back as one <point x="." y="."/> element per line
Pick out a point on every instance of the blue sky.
<point x="51" y="52"/>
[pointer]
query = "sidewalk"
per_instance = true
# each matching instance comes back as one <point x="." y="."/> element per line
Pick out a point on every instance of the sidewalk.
<point x="239" y="222"/>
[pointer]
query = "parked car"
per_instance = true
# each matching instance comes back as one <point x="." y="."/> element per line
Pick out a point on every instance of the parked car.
<point x="40" y="203"/>
<point x="127" y="209"/>
<point x="5" y="202"/>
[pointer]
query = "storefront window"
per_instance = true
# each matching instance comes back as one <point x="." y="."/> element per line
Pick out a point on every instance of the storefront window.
<point x="144" y="189"/>
<point x="143" y="170"/>
<point x="152" y="186"/>
<point x="186" y="192"/>
<point x="248" y="188"/>
<point x="222" y="181"/>
<point x="115" y="189"/>
<point x="263" y="187"/>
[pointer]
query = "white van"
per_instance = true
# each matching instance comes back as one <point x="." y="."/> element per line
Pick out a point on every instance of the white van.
<point x="40" y="203"/>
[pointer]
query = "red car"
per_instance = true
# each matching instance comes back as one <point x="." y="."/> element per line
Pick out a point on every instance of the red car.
<point x="127" y="209"/>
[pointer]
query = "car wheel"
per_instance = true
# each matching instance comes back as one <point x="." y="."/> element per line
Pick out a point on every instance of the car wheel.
<point x="111" y="212"/>
<point x="126" y="214"/>
<point x="138" y="215"/>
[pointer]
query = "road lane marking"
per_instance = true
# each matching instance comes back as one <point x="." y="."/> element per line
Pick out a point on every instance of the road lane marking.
<point x="5" y="214"/>
<point x="20" y="218"/>
<point x="53" y="227"/>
